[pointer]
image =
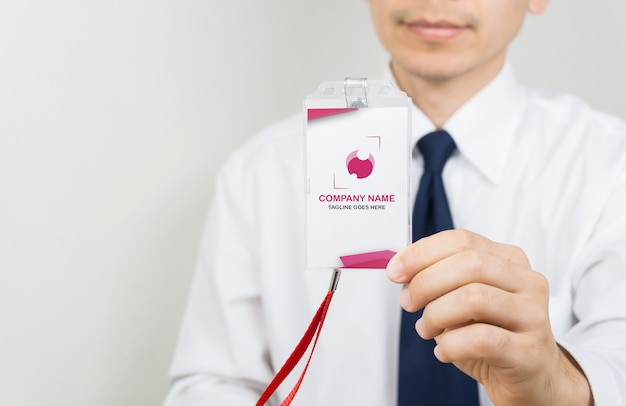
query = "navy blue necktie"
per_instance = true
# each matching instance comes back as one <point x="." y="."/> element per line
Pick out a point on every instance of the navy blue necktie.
<point x="422" y="379"/>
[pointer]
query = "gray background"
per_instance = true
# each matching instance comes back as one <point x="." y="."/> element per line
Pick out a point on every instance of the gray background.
<point x="114" y="117"/>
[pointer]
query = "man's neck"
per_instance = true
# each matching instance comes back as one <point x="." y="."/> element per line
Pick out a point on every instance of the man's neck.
<point x="440" y="99"/>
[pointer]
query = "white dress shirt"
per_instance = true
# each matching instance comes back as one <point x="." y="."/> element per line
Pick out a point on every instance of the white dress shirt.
<point x="541" y="171"/>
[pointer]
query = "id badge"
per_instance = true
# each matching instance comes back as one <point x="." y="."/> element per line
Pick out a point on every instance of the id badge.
<point x="357" y="174"/>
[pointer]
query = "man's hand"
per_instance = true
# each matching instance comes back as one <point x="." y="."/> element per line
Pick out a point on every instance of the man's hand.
<point x="488" y="312"/>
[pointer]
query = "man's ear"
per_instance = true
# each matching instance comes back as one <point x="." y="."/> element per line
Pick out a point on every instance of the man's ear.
<point x="537" y="6"/>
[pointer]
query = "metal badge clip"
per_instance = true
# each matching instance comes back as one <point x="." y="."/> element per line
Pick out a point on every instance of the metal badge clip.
<point x="334" y="280"/>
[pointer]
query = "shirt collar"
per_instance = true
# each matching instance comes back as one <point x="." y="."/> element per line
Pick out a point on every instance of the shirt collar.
<point x="484" y="127"/>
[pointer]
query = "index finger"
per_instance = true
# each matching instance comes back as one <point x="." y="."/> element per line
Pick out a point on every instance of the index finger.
<point x="430" y="250"/>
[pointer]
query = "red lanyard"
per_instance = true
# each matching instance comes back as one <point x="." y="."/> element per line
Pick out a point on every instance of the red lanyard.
<point x="314" y="330"/>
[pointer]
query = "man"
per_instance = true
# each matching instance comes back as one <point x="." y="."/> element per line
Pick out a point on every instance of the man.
<point x="527" y="296"/>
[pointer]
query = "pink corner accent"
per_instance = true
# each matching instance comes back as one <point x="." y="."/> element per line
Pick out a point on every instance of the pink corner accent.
<point x="371" y="260"/>
<point x="312" y="114"/>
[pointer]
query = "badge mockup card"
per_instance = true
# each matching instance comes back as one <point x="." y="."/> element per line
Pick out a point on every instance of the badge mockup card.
<point x="357" y="175"/>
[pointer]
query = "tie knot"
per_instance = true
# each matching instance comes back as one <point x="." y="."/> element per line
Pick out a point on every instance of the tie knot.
<point x="436" y="147"/>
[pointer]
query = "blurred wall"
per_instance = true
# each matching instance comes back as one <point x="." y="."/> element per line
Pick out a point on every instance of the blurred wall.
<point x="114" y="117"/>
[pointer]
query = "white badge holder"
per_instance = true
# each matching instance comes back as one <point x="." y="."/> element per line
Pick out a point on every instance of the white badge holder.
<point x="357" y="174"/>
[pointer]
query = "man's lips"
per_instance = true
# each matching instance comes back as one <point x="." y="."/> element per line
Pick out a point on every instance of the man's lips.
<point x="435" y="31"/>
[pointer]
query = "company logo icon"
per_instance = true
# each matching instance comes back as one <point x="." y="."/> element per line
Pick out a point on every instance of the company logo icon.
<point x="362" y="168"/>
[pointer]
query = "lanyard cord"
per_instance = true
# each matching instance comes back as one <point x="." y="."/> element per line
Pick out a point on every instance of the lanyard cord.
<point x="314" y="330"/>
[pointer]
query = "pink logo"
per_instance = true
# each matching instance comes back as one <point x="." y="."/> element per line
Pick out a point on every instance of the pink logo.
<point x="362" y="168"/>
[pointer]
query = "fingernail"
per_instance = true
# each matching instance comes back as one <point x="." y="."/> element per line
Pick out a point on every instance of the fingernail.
<point x="419" y="326"/>
<point x="405" y="298"/>
<point x="395" y="269"/>
<point x="438" y="354"/>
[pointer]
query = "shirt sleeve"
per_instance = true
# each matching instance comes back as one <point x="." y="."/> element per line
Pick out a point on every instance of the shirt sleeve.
<point x="598" y="339"/>
<point x="221" y="356"/>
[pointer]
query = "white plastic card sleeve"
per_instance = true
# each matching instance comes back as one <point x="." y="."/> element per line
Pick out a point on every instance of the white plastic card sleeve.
<point x="357" y="174"/>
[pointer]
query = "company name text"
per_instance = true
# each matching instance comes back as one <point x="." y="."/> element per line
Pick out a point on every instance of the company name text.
<point x="341" y="198"/>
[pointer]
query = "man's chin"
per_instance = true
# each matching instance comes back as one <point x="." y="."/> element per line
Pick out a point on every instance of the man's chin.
<point x="435" y="71"/>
